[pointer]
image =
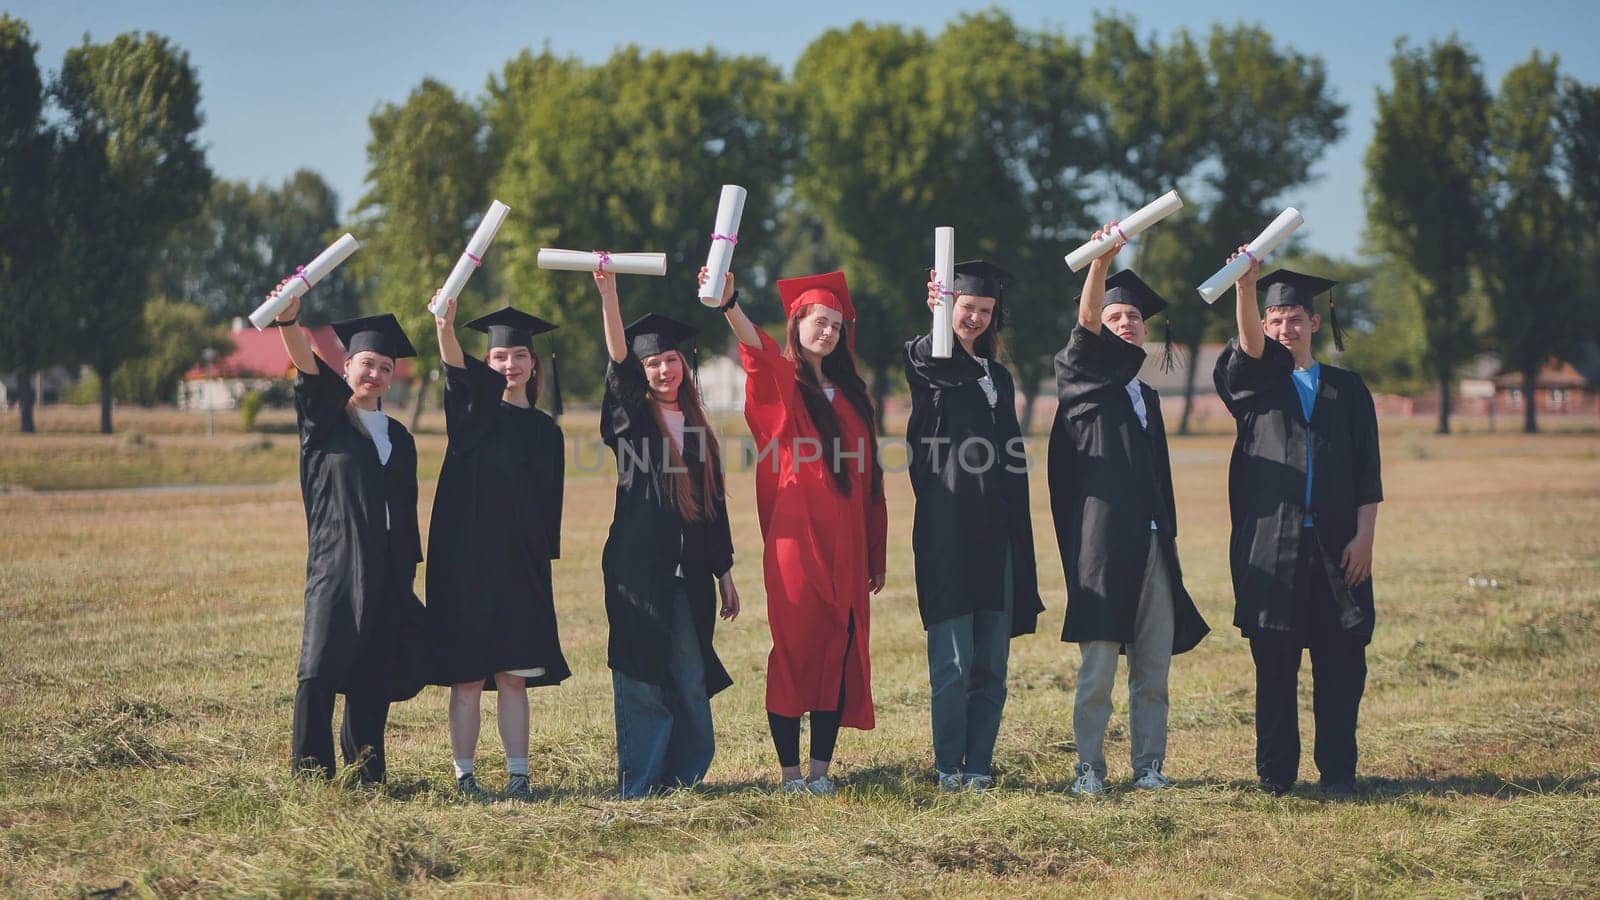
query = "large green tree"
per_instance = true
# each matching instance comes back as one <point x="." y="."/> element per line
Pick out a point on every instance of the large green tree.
<point x="30" y="336"/>
<point x="248" y="237"/>
<point x="427" y="183"/>
<point x="1532" y="272"/>
<point x="129" y="170"/>
<point x="630" y="155"/>
<point x="1426" y="171"/>
<point x="1024" y="157"/>
<point x="172" y="341"/>
<point x="1273" y="118"/>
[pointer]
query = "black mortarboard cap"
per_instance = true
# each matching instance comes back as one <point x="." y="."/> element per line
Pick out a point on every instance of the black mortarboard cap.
<point x="980" y="278"/>
<point x="655" y="334"/>
<point x="1126" y="287"/>
<point x="1286" y="288"/>
<point x="380" y="334"/>
<point x="510" y="328"/>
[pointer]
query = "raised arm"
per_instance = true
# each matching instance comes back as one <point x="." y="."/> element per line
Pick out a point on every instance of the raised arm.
<point x="611" y="315"/>
<point x="743" y="329"/>
<point x="1093" y="298"/>
<point x="449" y="346"/>
<point x="1252" y="339"/>
<point x="294" y="339"/>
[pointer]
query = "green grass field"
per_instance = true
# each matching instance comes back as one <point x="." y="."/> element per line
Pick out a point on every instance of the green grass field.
<point x="150" y="639"/>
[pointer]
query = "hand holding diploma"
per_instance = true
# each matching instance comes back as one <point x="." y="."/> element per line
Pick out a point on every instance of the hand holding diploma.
<point x="602" y="261"/>
<point x="1152" y="212"/>
<point x="304" y="279"/>
<point x="472" y="257"/>
<point x="724" y="237"/>
<point x="944" y="276"/>
<point x="1266" y="242"/>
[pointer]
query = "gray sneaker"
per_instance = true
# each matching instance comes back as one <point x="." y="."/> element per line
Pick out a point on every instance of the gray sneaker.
<point x="517" y="788"/>
<point x="1151" y="779"/>
<point x="467" y="786"/>
<point x="1087" y="784"/>
<point x="979" y="782"/>
<point x="822" y="786"/>
<point x="795" y="786"/>
<point x="949" y="781"/>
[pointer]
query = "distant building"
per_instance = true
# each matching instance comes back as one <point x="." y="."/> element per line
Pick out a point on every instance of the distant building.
<point x="1561" y="387"/>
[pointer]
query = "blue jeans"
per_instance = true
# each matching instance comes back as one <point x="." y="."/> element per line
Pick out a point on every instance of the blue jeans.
<point x="967" y="658"/>
<point x="664" y="733"/>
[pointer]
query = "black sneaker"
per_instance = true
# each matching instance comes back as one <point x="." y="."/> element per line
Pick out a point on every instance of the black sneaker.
<point x="1340" y="790"/>
<point x="1275" y="788"/>
<point x="467" y="787"/>
<point x="517" y="788"/>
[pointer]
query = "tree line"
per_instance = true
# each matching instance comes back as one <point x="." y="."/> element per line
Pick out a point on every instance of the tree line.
<point x="1481" y="205"/>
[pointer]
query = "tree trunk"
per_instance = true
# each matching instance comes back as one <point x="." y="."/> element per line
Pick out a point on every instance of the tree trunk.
<point x="419" y="401"/>
<point x="1189" y="366"/>
<point x="1028" y="398"/>
<point x="1444" y="402"/>
<point x="880" y="393"/>
<point x="25" y="399"/>
<point x="1530" y="401"/>
<point x="105" y="398"/>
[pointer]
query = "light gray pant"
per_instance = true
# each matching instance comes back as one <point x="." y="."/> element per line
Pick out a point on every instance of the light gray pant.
<point x="1149" y="660"/>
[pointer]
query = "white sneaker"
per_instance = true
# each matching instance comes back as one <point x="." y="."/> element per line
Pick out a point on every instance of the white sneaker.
<point x="949" y="781"/>
<point x="979" y="782"/>
<point x="1151" y="779"/>
<point x="1088" y="784"/>
<point x="794" y="786"/>
<point x="822" y="786"/>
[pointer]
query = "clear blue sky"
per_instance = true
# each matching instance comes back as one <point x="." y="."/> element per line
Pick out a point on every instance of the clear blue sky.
<point x="290" y="84"/>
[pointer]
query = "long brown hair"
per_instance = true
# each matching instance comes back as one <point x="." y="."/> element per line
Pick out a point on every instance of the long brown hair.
<point x="840" y="367"/>
<point x="694" y="502"/>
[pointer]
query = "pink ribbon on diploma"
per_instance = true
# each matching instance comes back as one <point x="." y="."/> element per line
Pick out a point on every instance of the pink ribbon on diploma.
<point x="730" y="238"/>
<point x="476" y="262"/>
<point x="1246" y="252"/>
<point x="605" y="260"/>
<point x="1117" y="227"/>
<point x="300" y="273"/>
<point x="939" y="288"/>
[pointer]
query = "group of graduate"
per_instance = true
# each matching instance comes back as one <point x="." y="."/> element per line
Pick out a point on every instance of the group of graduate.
<point x="1304" y="485"/>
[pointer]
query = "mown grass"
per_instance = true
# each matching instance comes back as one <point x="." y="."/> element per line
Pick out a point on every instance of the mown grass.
<point x="146" y="683"/>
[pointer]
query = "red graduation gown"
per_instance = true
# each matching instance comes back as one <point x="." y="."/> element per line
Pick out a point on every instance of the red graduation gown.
<point x="819" y="546"/>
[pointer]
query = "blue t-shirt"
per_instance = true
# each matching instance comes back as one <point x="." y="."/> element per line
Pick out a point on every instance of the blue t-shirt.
<point x="1305" y="384"/>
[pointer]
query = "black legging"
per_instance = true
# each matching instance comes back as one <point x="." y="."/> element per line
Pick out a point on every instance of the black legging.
<point x="824" y="723"/>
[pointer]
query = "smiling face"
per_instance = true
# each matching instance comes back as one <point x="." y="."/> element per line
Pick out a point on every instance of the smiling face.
<point x="971" y="317"/>
<point x="819" y="328"/>
<point x="1292" y="326"/>
<point x="369" y="374"/>
<point x="515" y="363"/>
<point x="1126" y="322"/>
<point x="664" y="372"/>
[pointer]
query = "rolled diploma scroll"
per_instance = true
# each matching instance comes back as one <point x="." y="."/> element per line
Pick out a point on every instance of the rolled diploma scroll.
<point x="1265" y="242"/>
<point x="730" y="209"/>
<point x="1153" y="212"/>
<point x="944" y="275"/>
<point x="472" y="257"/>
<point x="304" y="279"/>
<point x="620" y="263"/>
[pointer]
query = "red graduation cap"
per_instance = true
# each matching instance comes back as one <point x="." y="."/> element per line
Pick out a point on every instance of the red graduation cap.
<point x="829" y="289"/>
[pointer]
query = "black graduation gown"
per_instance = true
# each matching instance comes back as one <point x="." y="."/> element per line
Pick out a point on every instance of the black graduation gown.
<point x="1109" y="477"/>
<point x="362" y="621"/>
<point x="969" y="473"/>
<point x="1267" y="483"/>
<point x="642" y="551"/>
<point x="496" y="525"/>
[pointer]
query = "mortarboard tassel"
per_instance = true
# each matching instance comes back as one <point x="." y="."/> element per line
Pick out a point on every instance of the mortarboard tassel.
<point x="555" y="384"/>
<point x="1333" y="319"/>
<point x="1169" y="359"/>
